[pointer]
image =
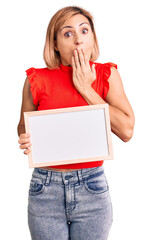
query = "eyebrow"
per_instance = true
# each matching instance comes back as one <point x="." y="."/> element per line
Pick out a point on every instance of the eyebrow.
<point x="72" y="27"/>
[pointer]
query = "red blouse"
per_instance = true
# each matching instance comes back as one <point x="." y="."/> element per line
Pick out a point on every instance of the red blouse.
<point x="54" y="88"/>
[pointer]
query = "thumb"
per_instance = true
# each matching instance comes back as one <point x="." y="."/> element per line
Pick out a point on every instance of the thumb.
<point x="94" y="71"/>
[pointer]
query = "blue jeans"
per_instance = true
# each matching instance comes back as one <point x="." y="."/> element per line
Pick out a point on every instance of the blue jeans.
<point x="73" y="205"/>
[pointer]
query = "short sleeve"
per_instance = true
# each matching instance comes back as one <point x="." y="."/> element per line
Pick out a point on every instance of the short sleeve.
<point x="31" y="73"/>
<point x="106" y="75"/>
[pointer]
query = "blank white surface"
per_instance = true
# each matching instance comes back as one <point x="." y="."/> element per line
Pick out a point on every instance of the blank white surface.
<point x="68" y="135"/>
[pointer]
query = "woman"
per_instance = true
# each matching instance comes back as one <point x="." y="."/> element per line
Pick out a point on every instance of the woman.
<point x="72" y="201"/>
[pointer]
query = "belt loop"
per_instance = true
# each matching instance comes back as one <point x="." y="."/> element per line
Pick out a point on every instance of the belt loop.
<point x="48" y="177"/>
<point x="80" y="176"/>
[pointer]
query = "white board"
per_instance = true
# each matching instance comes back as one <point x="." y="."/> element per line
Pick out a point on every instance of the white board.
<point x="69" y="135"/>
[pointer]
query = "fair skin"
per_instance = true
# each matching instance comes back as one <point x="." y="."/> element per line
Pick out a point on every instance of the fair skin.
<point x="75" y="39"/>
<point x="76" y="34"/>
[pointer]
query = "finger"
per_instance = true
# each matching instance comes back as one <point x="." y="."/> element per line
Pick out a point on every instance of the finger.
<point x="77" y="63"/>
<point x="24" y="146"/>
<point x="93" y="71"/>
<point x="73" y="63"/>
<point x="86" y="61"/>
<point x="24" y="135"/>
<point x="27" y="151"/>
<point x="24" y="140"/>
<point x="81" y="57"/>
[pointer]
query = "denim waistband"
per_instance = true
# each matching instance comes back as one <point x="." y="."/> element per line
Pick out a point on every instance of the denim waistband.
<point x="64" y="177"/>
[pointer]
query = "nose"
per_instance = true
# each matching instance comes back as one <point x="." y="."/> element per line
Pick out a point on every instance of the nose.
<point x="78" y="41"/>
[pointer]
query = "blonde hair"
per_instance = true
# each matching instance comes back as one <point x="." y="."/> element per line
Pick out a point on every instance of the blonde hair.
<point x="50" y="55"/>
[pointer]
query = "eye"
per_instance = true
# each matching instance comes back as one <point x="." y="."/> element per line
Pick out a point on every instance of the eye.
<point x="85" y="30"/>
<point x="68" y="34"/>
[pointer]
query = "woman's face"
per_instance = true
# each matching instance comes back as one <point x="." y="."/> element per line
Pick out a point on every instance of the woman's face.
<point x="75" y="33"/>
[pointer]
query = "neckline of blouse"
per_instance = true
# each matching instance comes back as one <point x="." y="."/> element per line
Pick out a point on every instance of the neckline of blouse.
<point x="69" y="68"/>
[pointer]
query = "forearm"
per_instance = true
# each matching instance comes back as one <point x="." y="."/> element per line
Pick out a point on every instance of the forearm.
<point x="120" y="122"/>
<point x="20" y="129"/>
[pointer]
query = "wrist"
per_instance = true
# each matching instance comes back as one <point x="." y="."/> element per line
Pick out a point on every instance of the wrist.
<point x="86" y="89"/>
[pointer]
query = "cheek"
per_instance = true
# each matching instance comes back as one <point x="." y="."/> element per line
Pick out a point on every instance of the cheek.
<point x="88" y="50"/>
<point x="89" y="45"/>
<point x="64" y="48"/>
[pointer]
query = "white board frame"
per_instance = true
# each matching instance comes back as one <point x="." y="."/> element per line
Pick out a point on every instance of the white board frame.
<point x="33" y="124"/>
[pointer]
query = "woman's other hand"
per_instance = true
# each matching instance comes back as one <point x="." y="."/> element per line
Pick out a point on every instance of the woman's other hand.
<point x="25" y="142"/>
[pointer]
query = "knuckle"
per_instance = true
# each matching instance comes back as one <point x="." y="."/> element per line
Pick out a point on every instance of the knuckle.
<point x="20" y="145"/>
<point x="22" y="135"/>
